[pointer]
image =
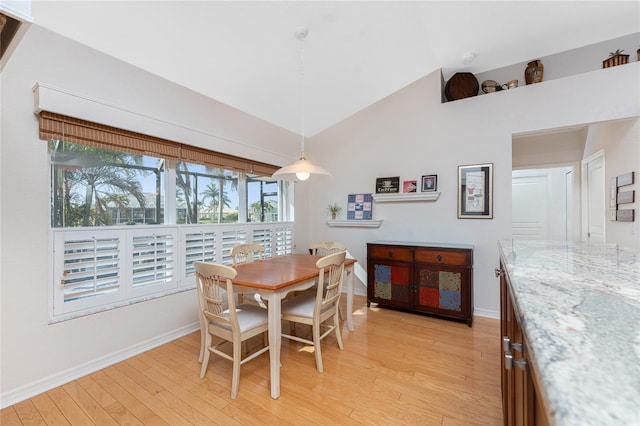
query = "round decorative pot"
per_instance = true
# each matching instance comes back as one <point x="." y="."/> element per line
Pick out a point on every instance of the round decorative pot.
<point x="533" y="72"/>
<point x="461" y="85"/>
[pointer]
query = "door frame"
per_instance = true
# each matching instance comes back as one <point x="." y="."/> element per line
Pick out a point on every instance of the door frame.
<point x="599" y="155"/>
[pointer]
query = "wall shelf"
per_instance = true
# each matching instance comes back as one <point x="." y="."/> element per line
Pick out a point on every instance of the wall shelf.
<point x="355" y="223"/>
<point x="411" y="196"/>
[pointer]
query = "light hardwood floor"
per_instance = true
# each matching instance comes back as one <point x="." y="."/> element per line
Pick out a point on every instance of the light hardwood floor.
<point x="397" y="369"/>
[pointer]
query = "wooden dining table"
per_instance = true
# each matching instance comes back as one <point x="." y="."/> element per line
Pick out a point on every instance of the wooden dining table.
<point x="275" y="277"/>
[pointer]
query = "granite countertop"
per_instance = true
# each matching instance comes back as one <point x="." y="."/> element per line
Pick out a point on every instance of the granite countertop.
<point x="579" y="307"/>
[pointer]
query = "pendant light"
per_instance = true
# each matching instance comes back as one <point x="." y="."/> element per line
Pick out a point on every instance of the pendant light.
<point x="302" y="168"/>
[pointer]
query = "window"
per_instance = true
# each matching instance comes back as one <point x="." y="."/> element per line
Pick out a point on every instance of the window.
<point x="128" y="224"/>
<point x="262" y="199"/>
<point x="206" y="195"/>
<point x="100" y="187"/>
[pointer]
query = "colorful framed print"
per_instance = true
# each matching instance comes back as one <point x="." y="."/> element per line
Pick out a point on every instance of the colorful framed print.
<point x="409" y="186"/>
<point x="429" y="183"/>
<point x="359" y="206"/>
<point x="475" y="191"/>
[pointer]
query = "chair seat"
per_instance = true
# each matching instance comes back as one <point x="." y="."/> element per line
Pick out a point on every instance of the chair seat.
<point x="301" y="306"/>
<point x="249" y="317"/>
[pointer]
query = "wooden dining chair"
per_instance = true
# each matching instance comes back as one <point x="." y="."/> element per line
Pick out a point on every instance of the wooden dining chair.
<point x="324" y="248"/>
<point x="243" y="253"/>
<point x="234" y="324"/>
<point x="320" y="311"/>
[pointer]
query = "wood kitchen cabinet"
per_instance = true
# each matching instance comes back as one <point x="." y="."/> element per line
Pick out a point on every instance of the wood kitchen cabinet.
<point x="434" y="279"/>
<point x="522" y="402"/>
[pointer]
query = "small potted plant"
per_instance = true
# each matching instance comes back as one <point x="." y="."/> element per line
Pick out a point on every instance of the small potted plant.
<point x="615" y="58"/>
<point x="334" y="209"/>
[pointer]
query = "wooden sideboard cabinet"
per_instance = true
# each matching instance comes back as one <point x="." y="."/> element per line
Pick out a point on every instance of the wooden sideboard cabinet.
<point x="522" y="404"/>
<point x="434" y="279"/>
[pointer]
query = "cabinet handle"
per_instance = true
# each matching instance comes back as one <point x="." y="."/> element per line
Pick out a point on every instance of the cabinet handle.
<point x="499" y="272"/>
<point x="507" y="345"/>
<point x="439" y="258"/>
<point x="509" y="362"/>
<point x="390" y="254"/>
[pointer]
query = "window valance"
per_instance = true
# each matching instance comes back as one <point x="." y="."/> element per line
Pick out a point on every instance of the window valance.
<point x="55" y="126"/>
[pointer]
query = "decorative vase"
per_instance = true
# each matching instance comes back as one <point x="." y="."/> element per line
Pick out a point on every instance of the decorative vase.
<point x="533" y="72"/>
<point x="461" y="85"/>
<point x="333" y="216"/>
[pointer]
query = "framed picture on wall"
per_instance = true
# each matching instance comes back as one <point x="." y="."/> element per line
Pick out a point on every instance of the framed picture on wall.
<point x="429" y="183"/>
<point x="359" y="206"/>
<point x="388" y="185"/>
<point x="409" y="186"/>
<point x="475" y="191"/>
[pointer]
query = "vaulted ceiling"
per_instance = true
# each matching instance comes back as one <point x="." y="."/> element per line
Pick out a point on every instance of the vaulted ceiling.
<point x="245" y="54"/>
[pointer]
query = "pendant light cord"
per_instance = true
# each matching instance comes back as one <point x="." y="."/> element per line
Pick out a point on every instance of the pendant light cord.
<point x="302" y="37"/>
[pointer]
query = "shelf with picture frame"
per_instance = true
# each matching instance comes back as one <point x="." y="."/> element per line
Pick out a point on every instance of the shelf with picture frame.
<point x="354" y="223"/>
<point x="408" y="196"/>
<point x="428" y="184"/>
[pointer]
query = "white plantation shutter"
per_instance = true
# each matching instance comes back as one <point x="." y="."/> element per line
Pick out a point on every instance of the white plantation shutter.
<point x="264" y="236"/>
<point x="232" y="237"/>
<point x="153" y="259"/>
<point x="101" y="268"/>
<point x="91" y="267"/>
<point x="283" y="240"/>
<point x="88" y="270"/>
<point x="198" y="246"/>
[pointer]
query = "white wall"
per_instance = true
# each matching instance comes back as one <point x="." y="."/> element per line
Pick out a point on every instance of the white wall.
<point x="620" y="141"/>
<point x="35" y="355"/>
<point x="410" y="134"/>
<point x="561" y="147"/>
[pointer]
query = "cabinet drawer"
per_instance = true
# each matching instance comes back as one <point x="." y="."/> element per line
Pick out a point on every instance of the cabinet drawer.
<point x="391" y="253"/>
<point x="443" y="257"/>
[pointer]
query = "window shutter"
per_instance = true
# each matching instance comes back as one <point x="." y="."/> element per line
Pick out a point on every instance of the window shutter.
<point x="198" y="246"/>
<point x="283" y="240"/>
<point x="263" y="236"/>
<point x="91" y="267"/>
<point x="153" y="258"/>
<point x="230" y="238"/>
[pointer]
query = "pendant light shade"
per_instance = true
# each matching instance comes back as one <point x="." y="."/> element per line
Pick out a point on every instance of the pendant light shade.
<point x="303" y="168"/>
<point x="300" y="170"/>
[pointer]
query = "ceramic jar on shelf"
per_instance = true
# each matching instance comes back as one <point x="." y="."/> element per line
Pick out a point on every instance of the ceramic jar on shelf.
<point x="534" y="71"/>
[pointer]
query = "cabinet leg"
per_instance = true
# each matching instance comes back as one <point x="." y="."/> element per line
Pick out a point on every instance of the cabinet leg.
<point x="368" y="304"/>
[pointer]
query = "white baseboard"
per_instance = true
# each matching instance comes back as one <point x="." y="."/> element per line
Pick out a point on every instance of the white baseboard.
<point x="488" y="313"/>
<point x="47" y="383"/>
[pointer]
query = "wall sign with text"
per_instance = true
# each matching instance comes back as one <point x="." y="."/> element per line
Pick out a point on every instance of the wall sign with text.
<point x="388" y="185"/>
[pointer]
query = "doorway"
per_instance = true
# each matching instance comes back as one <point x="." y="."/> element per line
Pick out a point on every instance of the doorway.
<point x="542" y="206"/>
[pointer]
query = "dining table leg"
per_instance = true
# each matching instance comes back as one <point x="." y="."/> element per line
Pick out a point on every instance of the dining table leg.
<point x="275" y="340"/>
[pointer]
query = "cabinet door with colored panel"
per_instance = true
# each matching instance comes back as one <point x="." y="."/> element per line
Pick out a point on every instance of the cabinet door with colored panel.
<point x="442" y="290"/>
<point x="392" y="283"/>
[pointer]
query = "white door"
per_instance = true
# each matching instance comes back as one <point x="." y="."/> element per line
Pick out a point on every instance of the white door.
<point x="529" y="218"/>
<point x="594" y="193"/>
